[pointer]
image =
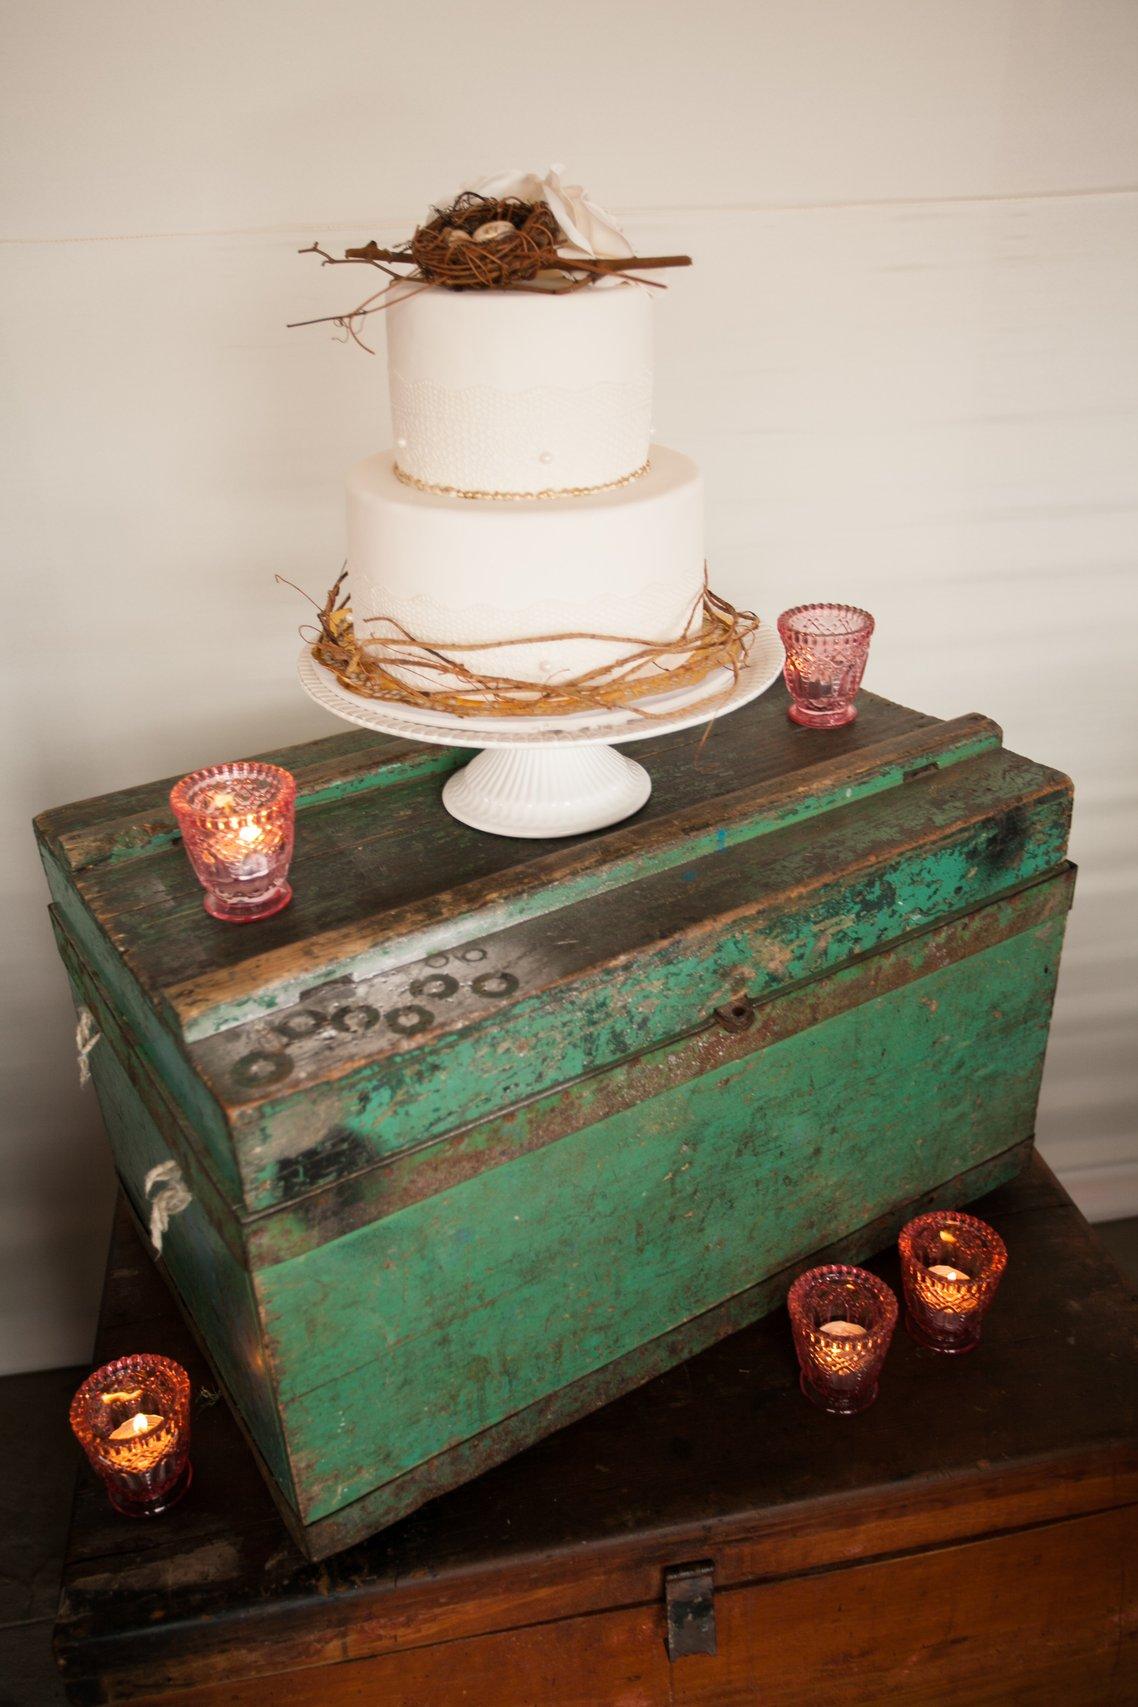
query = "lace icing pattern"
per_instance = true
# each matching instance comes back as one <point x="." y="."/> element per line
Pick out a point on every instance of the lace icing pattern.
<point x="655" y="612"/>
<point x="549" y="439"/>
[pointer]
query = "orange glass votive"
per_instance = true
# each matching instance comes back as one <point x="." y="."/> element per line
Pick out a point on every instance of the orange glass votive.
<point x="132" y="1419"/>
<point x="843" y="1320"/>
<point x="951" y="1265"/>
<point x="237" y="823"/>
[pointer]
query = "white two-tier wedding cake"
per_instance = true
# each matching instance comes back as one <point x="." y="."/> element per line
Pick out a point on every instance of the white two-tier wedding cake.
<point x="523" y="523"/>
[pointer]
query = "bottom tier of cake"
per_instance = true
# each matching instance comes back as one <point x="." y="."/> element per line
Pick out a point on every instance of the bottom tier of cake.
<point x="538" y="589"/>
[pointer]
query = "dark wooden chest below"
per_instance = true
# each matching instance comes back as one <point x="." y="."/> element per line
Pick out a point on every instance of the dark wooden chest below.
<point x="972" y="1538"/>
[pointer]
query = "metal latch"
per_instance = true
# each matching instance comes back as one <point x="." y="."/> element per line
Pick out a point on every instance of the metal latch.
<point x="736" y="1015"/>
<point x="689" y="1604"/>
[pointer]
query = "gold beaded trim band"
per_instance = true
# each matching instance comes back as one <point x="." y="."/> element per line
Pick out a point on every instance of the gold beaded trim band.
<point x="518" y="497"/>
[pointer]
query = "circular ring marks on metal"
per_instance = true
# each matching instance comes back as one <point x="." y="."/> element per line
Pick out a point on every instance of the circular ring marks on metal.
<point x="437" y="960"/>
<point x="409" y="1020"/>
<point x="494" y="984"/>
<point x="472" y="953"/>
<point x="302" y="1024"/>
<point x="438" y="987"/>
<point x="261" y="1067"/>
<point x="358" y="1017"/>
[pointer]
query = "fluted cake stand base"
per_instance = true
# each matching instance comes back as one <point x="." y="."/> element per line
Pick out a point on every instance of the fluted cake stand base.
<point x="548" y="791"/>
<point x="544" y="776"/>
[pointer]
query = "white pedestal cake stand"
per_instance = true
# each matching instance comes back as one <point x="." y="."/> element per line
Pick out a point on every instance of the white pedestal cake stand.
<point x="550" y="776"/>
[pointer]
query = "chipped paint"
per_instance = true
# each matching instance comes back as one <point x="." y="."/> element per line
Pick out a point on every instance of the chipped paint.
<point x="481" y="1154"/>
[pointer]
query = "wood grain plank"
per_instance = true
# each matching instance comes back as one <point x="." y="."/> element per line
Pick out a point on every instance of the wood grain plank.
<point x="133" y="822"/>
<point x="1048" y="1614"/>
<point x="354" y="865"/>
<point x="1045" y="1614"/>
<point x="715" y="810"/>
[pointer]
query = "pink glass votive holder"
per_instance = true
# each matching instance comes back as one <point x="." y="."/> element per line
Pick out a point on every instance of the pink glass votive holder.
<point x="238" y="823"/>
<point x="132" y="1419"/>
<point x="843" y="1320"/>
<point x="951" y="1265"/>
<point x="826" y="649"/>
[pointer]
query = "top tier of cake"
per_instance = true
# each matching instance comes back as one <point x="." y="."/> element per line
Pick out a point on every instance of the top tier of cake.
<point x="516" y="394"/>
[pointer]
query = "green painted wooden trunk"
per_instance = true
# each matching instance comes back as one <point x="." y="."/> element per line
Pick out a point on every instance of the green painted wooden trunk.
<point x="481" y="1133"/>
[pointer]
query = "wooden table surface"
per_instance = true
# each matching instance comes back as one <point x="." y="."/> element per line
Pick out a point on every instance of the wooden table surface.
<point x="720" y="1457"/>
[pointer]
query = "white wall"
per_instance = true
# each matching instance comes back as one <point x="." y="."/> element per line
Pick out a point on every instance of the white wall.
<point x="907" y="359"/>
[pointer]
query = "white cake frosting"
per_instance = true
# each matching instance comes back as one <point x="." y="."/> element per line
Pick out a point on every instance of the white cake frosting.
<point x="523" y="525"/>
<point x="507" y="393"/>
<point x="625" y="563"/>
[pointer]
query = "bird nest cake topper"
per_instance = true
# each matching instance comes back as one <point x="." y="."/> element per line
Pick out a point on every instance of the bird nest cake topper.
<point x="517" y="231"/>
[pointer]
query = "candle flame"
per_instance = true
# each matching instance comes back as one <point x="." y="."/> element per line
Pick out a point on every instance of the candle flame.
<point x="140" y="1423"/>
<point x="249" y="833"/>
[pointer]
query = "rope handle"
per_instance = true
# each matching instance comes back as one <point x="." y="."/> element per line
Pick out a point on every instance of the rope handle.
<point x="168" y="1194"/>
<point x="87" y="1034"/>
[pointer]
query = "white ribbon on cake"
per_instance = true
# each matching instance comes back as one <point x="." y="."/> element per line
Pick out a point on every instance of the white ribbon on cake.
<point x="588" y="229"/>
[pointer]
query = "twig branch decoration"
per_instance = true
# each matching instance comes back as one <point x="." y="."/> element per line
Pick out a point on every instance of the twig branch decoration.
<point x="479" y="243"/>
<point x="377" y="666"/>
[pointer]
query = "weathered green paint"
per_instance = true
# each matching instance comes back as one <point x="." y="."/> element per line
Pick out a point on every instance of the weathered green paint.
<point x="393" y="1500"/>
<point x="424" y="1170"/>
<point x="522" y="1279"/>
<point x="157" y="1044"/>
<point x="414" y="1247"/>
<point x="139" y="922"/>
<point x="139" y="821"/>
<point x="735" y="822"/>
<point x="761" y="917"/>
<point x="389" y="857"/>
<point x="178" y="1138"/>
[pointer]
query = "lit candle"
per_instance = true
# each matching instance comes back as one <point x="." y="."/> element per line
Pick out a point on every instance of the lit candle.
<point x="947" y="1298"/>
<point x="139" y="1423"/>
<point x="132" y="1419"/>
<point x="237" y="824"/>
<point x="840" y="1359"/>
<point x="842" y="1362"/>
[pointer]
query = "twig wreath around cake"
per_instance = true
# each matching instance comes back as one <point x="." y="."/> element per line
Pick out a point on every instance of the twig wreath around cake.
<point x="525" y="548"/>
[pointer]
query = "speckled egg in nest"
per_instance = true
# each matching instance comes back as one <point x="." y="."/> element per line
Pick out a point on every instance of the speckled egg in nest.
<point x="481" y="244"/>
